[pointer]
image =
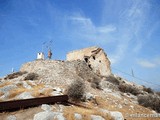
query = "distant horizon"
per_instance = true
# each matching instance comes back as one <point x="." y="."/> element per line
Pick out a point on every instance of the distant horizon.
<point x="127" y="31"/>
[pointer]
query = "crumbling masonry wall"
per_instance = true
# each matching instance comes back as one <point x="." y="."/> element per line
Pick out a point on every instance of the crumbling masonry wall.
<point x="95" y="57"/>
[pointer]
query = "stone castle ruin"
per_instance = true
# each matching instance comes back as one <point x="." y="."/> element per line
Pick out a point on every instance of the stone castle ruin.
<point x="95" y="58"/>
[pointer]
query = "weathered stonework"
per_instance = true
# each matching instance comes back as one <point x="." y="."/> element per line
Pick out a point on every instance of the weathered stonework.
<point x="95" y="57"/>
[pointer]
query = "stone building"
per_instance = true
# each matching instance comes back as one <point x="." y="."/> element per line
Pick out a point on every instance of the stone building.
<point x="95" y="57"/>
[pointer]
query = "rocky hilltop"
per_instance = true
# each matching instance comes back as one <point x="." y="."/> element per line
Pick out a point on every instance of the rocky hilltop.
<point x="59" y="73"/>
<point x="106" y="96"/>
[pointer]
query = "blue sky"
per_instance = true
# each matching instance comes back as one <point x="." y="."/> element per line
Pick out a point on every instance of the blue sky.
<point x="128" y="30"/>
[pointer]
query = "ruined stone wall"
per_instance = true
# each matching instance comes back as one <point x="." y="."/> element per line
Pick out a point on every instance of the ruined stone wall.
<point x="79" y="54"/>
<point x="95" y="57"/>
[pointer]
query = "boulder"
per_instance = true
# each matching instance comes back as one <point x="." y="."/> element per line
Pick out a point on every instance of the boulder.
<point x="24" y="95"/>
<point x="46" y="107"/>
<point x="49" y="115"/>
<point x="77" y="116"/>
<point x="106" y="84"/>
<point x="57" y="89"/>
<point x="89" y="96"/>
<point x="96" y="117"/>
<point x="25" y="85"/>
<point x="56" y="93"/>
<point x="5" y="96"/>
<point x="7" y="88"/>
<point x="46" y="115"/>
<point x="117" y="115"/>
<point x="11" y="117"/>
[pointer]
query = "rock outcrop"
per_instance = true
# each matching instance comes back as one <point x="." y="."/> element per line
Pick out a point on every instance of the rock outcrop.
<point x="59" y="72"/>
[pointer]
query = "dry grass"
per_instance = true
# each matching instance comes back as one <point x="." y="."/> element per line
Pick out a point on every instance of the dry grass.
<point x="37" y="87"/>
<point x="35" y="90"/>
<point x="110" y="105"/>
<point x="47" y="92"/>
<point x="13" y="92"/>
<point x="100" y="102"/>
<point x="20" y="89"/>
<point x="5" y="84"/>
<point x="16" y="92"/>
<point x="69" y="113"/>
<point x="1" y="93"/>
<point x="86" y="117"/>
<point x="36" y="93"/>
<point x="19" y="85"/>
<point x="30" y="83"/>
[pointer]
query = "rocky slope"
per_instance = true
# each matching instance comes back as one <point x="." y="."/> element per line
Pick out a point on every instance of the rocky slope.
<point x="59" y="72"/>
<point x="105" y="97"/>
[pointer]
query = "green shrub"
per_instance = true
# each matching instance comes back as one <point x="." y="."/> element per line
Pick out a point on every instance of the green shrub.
<point x="149" y="90"/>
<point x="31" y="76"/>
<point x="95" y="83"/>
<point x="76" y="90"/>
<point x="15" y="75"/>
<point x="158" y="93"/>
<point x="150" y="100"/>
<point x="129" y="89"/>
<point x="113" y="80"/>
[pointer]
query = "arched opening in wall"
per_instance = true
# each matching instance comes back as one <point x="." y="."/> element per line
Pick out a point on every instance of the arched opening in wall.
<point x="94" y="57"/>
<point x="100" y="61"/>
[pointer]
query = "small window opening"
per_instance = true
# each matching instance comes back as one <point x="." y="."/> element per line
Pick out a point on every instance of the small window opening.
<point x="100" y="61"/>
<point x="90" y="66"/>
<point x="86" y="59"/>
<point x="94" y="57"/>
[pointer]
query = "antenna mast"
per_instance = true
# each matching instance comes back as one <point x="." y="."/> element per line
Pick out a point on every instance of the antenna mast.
<point x="132" y="73"/>
<point x="43" y="47"/>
